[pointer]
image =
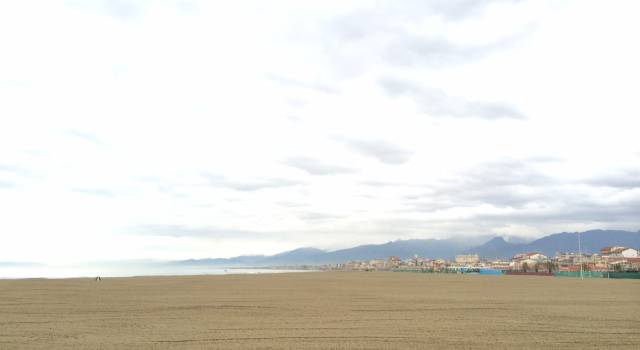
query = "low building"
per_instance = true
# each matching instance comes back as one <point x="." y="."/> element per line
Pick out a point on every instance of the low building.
<point x="378" y="264"/>
<point x="467" y="259"/>
<point x="567" y="258"/>
<point x="618" y="251"/>
<point x="423" y="261"/>
<point x="499" y="265"/>
<point x="533" y="261"/>
<point x="534" y="256"/>
<point x="624" y="264"/>
<point x="394" y="262"/>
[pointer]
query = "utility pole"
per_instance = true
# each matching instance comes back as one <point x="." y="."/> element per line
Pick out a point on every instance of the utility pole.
<point x="580" y="255"/>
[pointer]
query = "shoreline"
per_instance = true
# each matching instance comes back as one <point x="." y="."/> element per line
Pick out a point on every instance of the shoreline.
<point x="212" y="272"/>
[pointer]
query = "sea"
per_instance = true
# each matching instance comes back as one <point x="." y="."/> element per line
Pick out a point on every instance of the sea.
<point x="119" y="269"/>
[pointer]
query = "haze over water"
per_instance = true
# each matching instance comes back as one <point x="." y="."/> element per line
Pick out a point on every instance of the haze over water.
<point x="122" y="269"/>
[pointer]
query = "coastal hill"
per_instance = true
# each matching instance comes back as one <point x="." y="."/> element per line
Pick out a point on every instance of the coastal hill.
<point x="492" y="248"/>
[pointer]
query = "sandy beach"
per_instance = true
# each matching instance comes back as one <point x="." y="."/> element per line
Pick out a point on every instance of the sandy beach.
<point x="320" y="311"/>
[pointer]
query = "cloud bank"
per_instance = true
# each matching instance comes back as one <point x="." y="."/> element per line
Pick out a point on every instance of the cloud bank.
<point x="175" y="130"/>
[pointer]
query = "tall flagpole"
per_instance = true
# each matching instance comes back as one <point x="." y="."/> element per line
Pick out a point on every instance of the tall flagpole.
<point x="580" y="254"/>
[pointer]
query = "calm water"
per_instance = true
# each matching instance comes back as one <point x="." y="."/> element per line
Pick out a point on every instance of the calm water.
<point x="122" y="270"/>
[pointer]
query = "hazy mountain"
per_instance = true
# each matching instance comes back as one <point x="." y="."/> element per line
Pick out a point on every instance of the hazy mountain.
<point x="496" y="247"/>
<point x="517" y="239"/>
<point x="592" y="242"/>
<point x="245" y="260"/>
<point x="300" y="254"/>
<point x="402" y="248"/>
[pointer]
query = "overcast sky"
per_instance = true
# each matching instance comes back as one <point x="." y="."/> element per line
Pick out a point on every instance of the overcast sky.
<point x="187" y="129"/>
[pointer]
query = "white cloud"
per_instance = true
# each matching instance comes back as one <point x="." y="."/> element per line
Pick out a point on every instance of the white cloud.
<point x="122" y="121"/>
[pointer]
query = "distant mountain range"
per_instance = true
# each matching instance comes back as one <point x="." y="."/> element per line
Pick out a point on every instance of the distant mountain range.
<point x="401" y="248"/>
<point x="495" y="247"/>
<point x="592" y="242"/>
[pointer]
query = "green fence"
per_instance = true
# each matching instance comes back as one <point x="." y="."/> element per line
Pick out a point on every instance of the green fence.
<point x="585" y="274"/>
<point x="632" y="275"/>
<point x="594" y="274"/>
<point x="574" y="274"/>
<point x="413" y="270"/>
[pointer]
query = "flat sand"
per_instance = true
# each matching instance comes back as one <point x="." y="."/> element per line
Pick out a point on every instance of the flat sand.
<point x="323" y="310"/>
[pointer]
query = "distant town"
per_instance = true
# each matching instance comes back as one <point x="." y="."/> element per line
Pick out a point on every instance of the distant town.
<point x="612" y="262"/>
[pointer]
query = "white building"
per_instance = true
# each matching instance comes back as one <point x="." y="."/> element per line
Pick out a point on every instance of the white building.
<point x="620" y="252"/>
<point x="467" y="259"/>
<point x="530" y="257"/>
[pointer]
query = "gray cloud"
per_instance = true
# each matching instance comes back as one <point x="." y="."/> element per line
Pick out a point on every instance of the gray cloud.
<point x="413" y="50"/>
<point x="292" y="204"/>
<point x="429" y="204"/>
<point x="316" y="216"/>
<point x="316" y="167"/>
<point x="248" y="186"/>
<point x="437" y="103"/>
<point x="381" y="150"/>
<point x="449" y="9"/>
<point x="571" y="209"/>
<point x="502" y="183"/>
<point x="355" y="40"/>
<point x="505" y="172"/>
<point x="538" y="199"/>
<point x="625" y="179"/>
<point x="191" y="231"/>
<point x="381" y="183"/>
<point x="564" y="209"/>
